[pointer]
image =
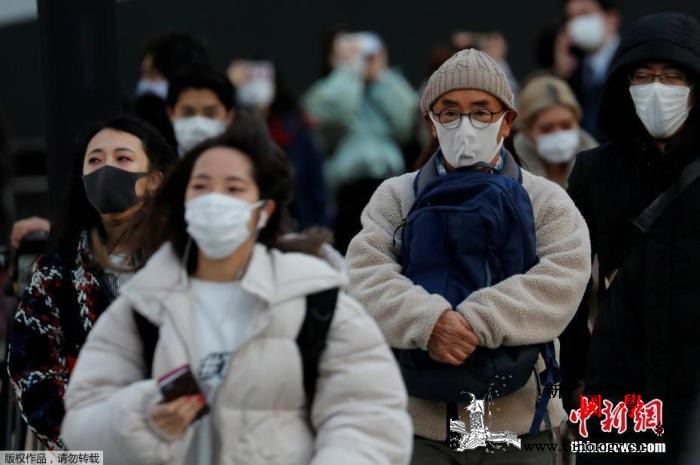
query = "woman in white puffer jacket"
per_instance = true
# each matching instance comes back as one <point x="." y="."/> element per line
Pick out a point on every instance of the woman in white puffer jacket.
<point x="231" y="308"/>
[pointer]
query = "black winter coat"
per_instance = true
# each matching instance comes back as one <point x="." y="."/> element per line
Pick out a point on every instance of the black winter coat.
<point x="646" y="339"/>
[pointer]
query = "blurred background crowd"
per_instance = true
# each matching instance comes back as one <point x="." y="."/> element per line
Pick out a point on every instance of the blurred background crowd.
<point x="310" y="69"/>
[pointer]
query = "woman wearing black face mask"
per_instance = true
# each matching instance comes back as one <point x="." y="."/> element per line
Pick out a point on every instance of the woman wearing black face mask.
<point x="245" y="317"/>
<point x="92" y="254"/>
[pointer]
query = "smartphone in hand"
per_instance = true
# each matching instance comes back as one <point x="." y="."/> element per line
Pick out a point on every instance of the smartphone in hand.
<point x="181" y="382"/>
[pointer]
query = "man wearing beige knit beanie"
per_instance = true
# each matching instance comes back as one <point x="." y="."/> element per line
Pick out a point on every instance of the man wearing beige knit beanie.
<point x="470" y="108"/>
<point x="469" y="86"/>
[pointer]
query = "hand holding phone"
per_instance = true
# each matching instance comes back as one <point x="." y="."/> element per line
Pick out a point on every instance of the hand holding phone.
<point x="357" y="51"/>
<point x="183" y="401"/>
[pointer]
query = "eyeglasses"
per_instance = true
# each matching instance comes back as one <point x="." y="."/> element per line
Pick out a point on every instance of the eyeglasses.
<point x="672" y="78"/>
<point x="451" y="119"/>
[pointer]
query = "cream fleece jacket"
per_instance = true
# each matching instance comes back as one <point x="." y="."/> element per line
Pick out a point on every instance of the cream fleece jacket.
<point x="528" y="308"/>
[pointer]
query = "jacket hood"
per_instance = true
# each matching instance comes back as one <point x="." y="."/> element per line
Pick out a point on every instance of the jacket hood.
<point x="272" y="276"/>
<point x="668" y="37"/>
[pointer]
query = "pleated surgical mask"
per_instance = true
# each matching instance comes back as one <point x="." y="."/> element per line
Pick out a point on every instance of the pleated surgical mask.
<point x="218" y="223"/>
<point x="195" y="129"/>
<point x="558" y="147"/>
<point x="587" y="31"/>
<point x="662" y="108"/>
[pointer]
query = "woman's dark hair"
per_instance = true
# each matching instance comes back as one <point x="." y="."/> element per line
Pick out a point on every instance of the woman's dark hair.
<point x="271" y="171"/>
<point x="202" y="77"/>
<point x="78" y="214"/>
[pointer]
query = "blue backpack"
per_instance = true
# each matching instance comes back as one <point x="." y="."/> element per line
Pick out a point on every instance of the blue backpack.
<point x="465" y="231"/>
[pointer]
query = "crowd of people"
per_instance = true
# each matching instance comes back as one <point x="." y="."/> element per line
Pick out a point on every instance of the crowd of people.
<point x="243" y="276"/>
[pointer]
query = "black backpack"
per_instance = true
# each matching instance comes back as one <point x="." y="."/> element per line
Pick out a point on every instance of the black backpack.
<point x="320" y="308"/>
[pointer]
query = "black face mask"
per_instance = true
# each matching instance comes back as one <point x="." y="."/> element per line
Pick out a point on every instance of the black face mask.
<point x="111" y="189"/>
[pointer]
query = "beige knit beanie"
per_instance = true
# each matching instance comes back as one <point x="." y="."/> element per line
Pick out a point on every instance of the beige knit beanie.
<point x="468" y="69"/>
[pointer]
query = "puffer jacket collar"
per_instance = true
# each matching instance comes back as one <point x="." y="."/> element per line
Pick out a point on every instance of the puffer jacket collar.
<point x="271" y="275"/>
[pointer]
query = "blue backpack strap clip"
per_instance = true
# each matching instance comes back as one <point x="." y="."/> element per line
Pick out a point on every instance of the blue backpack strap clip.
<point x="548" y="378"/>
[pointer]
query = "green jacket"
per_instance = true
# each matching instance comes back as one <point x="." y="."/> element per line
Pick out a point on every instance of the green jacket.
<point x="361" y="124"/>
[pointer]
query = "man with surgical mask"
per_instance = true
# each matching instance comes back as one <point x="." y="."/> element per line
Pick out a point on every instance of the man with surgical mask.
<point x="200" y="106"/>
<point x="470" y="108"/>
<point x="164" y="57"/>
<point x="645" y="335"/>
<point x="584" y="51"/>
<point x="255" y="84"/>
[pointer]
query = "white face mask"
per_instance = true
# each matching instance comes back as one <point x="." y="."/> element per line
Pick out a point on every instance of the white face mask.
<point x="467" y="145"/>
<point x="587" y="31"/>
<point x="256" y="93"/>
<point x="158" y="87"/>
<point x="218" y="223"/>
<point x="195" y="129"/>
<point x="662" y="108"/>
<point x="558" y="147"/>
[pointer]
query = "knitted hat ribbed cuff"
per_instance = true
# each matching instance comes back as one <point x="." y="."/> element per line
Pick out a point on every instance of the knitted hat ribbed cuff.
<point x="468" y="69"/>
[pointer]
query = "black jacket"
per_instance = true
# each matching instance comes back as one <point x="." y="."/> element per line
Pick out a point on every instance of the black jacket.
<point x="589" y="93"/>
<point x="646" y="339"/>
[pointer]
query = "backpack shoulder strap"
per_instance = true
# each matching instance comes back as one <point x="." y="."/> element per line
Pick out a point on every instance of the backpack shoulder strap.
<point x="311" y="340"/>
<point x="653" y="212"/>
<point x="427" y="173"/>
<point x="149" y="334"/>
<point x="432" y="169"/>
<point x="510" y="166"/>
<point x="320" y="308"/>
<point x="549" y="380"/>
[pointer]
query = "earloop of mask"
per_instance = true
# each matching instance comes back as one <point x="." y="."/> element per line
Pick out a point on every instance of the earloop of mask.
<point x="183" y="261"/>
<point x="262" y="219"/>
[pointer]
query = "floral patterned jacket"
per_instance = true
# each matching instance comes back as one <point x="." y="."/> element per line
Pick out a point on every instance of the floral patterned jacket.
<point x="52" y="321"/>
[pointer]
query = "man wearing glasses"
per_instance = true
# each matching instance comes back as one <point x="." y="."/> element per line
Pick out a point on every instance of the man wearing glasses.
<point x="640" y="196"/>
<point x="469" y="107"/>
